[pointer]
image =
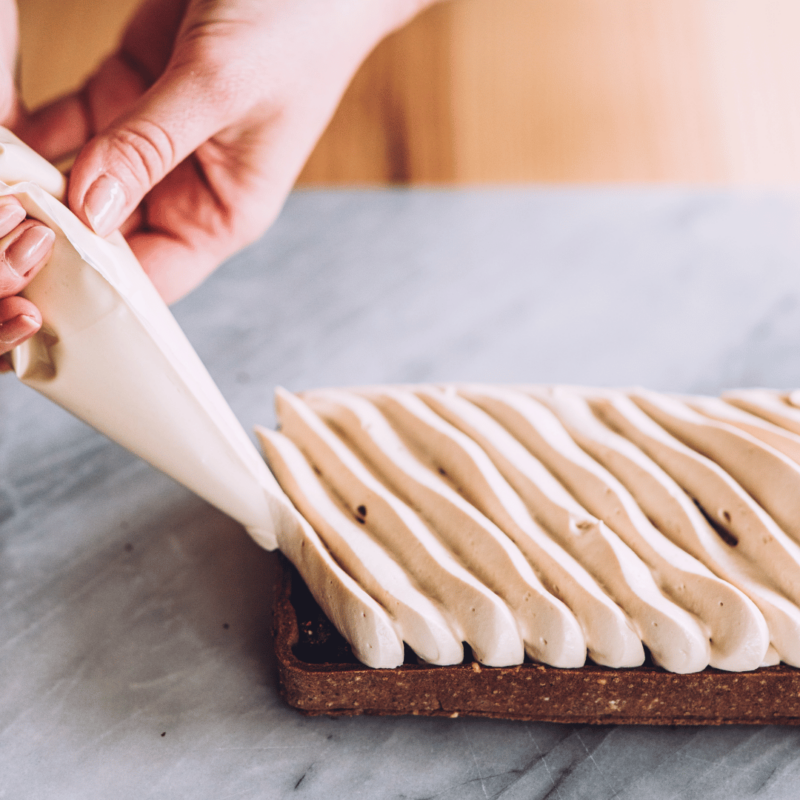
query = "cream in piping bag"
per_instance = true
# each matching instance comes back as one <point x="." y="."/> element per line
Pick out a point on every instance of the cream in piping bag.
<point x="110" y="352"/>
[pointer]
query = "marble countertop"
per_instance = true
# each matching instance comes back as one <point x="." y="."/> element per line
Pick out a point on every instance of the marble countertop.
<point x="135" y="646"/>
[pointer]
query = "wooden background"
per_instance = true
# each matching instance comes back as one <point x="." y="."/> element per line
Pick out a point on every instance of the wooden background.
<point x="498" y="91"/>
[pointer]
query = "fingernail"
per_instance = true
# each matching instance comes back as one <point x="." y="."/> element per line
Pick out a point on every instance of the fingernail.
<point x="11" y="215"/>
<point x="20" y="327"/>
<point x="104" y="203"/>
<point x="25" y="253"/>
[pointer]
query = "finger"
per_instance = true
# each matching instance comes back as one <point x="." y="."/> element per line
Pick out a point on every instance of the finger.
<point x="134" y="222"/>
<point x="188" y="104"/>
<point x="58" y="129"/>
<point x="150" y="36"/>
<point x="23" y="252"/>
<point x="11" y="214"/>
<point x="19" y="320"/>
<point x="174" y="267"/>
<point x="10" y="107"/>
<point x="64" y="126"/>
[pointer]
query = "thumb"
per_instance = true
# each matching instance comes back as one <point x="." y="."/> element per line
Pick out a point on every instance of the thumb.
<point x="119" y="166"/>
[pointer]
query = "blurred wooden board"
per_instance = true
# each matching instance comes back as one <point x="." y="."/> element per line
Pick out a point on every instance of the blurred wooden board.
<point x="486" y="91"/>
<point x="62" y="41"/>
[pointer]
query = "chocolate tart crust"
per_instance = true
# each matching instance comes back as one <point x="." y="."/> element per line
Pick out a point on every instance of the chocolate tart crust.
<point x="319" y="675"/>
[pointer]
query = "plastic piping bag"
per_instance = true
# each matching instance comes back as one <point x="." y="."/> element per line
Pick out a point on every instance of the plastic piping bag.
<point x="112" y="354"/>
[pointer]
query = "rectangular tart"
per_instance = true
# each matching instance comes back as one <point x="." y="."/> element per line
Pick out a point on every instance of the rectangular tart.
<point x="319" y="675"/>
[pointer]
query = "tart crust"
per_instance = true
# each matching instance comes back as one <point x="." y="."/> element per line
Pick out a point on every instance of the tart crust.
<point x="318" y="675"/>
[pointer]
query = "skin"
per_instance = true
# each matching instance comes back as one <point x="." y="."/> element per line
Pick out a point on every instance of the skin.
<point x="191" y="135"/>
<point x="25" y="245"/>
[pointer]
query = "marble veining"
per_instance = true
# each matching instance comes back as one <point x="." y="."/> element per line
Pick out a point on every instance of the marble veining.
<point x="135" y="652"/>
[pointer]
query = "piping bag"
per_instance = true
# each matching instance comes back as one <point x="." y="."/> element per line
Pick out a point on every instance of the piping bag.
<point x="112" y="354"/>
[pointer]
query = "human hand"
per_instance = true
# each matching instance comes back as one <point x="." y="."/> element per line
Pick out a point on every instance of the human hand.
<point x="25" y="245"/>
<point x="194" y="132"/>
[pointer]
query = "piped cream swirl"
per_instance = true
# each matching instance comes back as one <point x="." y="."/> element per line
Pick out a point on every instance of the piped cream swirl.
<point x="556" y="521"/>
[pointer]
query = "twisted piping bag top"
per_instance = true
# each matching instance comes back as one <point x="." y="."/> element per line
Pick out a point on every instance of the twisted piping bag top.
<point x="111" y="353"/>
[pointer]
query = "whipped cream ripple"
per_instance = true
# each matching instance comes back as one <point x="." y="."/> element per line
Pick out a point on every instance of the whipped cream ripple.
<point x="557" y="524"/>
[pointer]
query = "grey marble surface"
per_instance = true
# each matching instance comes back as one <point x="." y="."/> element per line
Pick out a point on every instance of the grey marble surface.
<point x="135" y="651"/>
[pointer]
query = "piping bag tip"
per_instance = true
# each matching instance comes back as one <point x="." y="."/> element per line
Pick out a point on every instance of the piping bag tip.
<point x="111" y="353"/>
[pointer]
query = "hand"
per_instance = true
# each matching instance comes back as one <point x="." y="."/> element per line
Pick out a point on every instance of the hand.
<point x="25" y="245"/>
<point x="194" y="132"/>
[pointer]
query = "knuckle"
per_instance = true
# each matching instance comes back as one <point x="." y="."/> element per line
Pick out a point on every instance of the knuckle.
<point x="144" y="151"/>
<point x="10" y="282"/>
<point x="8" y="285"/>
